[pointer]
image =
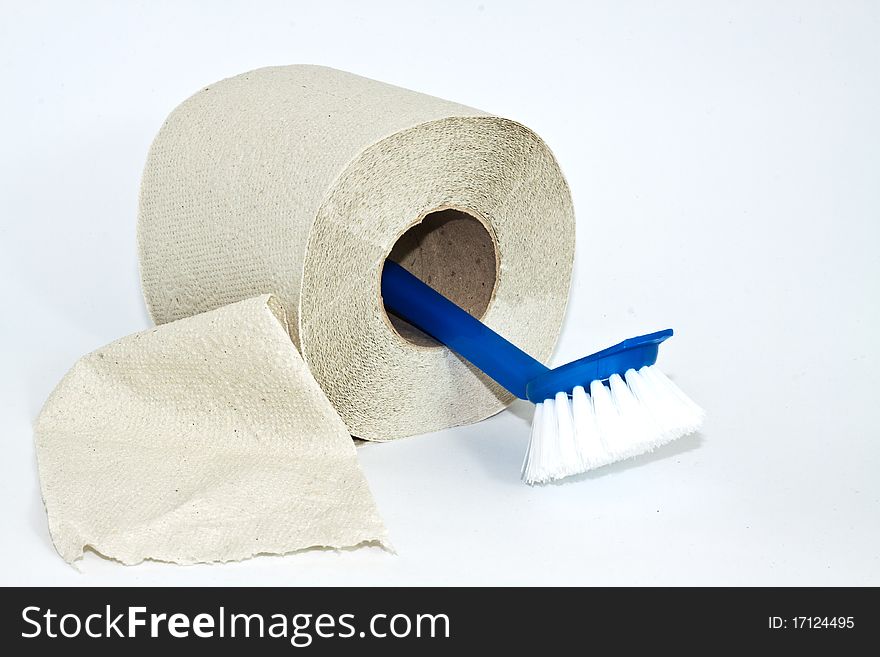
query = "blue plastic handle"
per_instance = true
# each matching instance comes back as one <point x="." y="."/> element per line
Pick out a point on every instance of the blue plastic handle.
<point x="632" y="353"/>
<point x="419" y="304"/>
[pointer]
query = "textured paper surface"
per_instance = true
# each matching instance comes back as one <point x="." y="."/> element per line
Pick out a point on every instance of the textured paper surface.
<point x="298" y="180"/>
<point x="220" y="434"/>
<point x="206" y="439"/>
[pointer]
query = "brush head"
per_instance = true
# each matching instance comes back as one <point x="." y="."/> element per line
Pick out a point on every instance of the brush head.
<point x="633" y="353"/>
<point x="595" y="422"/>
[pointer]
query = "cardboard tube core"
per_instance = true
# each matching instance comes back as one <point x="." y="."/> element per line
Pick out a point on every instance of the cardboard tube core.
<point x="455" y="253"/>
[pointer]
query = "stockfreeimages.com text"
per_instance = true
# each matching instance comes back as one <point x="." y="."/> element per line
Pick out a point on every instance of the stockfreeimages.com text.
<point x="299" y="629"/>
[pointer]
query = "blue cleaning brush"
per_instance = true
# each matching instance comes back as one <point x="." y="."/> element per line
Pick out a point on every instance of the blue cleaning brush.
<point x="602" y="408"/>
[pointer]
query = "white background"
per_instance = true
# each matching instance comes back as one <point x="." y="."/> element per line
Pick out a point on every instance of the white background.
<point x="725" y="165"/>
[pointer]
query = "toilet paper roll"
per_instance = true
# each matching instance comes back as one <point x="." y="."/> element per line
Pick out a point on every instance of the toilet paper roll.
<point x="299" y="181"/>
<point x="270" y="202"/>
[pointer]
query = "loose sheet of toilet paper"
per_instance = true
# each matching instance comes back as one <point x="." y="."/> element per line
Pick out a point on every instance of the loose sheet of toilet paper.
<point x="205" y="439"/>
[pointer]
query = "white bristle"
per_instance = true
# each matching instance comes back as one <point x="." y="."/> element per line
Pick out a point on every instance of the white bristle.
<point x="689" y="415"/>
<point x="588" y="440"/>
<point x="633" y="414"/>
<point x="637" y="428"/>
<point x="608" y="420"/>
<point x="534" y="441"/>
<point x="549" y="437"/>
<point x="542" y="444"/>
<point x="655" y="401"/>
<point x="568" y="461"/>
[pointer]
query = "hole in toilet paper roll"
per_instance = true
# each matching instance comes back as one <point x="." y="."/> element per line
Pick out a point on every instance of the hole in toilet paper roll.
<point x="453" y="252"/>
